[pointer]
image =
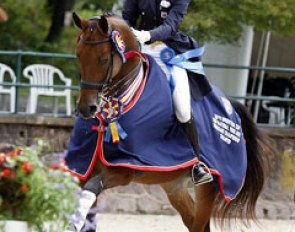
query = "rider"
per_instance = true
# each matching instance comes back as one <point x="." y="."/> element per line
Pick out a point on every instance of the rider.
<point x="159" y="20"/>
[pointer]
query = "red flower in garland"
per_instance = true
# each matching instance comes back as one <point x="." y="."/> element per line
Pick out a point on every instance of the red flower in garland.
<point x="2" y="158"/>
<point x="6" y="173"/>
<point x="19" y="151"/>
<point x="27" y="167"/>
<point x="12" y="153"/>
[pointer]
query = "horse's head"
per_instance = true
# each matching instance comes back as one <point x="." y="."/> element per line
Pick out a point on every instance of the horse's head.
<point x="100" y="50"/>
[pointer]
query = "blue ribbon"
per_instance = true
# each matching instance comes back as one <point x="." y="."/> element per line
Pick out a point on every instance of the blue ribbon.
<point x="172" y="82"/>
<point x="122" y="133"/>
<point x="182" y="60"/>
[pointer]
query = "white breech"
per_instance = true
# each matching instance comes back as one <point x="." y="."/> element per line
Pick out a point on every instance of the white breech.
<point x="181" y="94"/>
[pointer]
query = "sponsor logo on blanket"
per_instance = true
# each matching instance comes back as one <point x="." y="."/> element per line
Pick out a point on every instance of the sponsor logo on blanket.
<point x="228" y="130"/>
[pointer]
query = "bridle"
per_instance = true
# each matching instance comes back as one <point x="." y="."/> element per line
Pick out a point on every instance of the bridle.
<point x="104" y="86"/>
<point x="107" y="86"/>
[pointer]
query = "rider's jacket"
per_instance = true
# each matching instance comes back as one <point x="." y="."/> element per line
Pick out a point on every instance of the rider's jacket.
<point x="162" y="18"/>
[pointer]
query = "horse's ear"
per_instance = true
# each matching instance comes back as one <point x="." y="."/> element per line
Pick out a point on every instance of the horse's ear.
<point x="77" y="20"/>
<point x="103" y="23"/>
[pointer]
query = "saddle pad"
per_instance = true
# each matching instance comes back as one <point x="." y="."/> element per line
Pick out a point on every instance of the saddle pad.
<point x="156" y="142"/>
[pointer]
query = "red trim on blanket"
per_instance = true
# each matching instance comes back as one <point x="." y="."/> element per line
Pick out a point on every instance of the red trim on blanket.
<point x="219" y="179"/>
<point x="91" y="166"/>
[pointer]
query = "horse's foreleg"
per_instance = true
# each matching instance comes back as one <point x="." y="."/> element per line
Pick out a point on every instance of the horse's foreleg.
<point x="107" y="178"/>
<point x="90" y="224"/>
<point x="205" y="197"/>
<point x="91" y="189"/>
<point x="180" y="199"/>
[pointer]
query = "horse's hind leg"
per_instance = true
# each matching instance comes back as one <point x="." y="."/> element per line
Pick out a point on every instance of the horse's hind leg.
<point x="180" y="199"/>
<point x="205" y="197"/>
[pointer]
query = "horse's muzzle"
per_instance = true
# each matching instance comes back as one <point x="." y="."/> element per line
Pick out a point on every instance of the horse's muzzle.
<point x="86" y="111"/>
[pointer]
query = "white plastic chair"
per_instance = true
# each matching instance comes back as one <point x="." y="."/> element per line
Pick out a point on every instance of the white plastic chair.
<point x="10" y="90"/>
<point x="43" y="75"/>
<point x="276" y="114"/>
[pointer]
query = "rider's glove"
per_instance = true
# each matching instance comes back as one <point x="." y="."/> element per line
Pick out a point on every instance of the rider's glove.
<point x="142" y="36"/>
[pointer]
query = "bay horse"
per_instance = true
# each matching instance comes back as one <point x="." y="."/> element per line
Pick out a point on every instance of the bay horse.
<point x="107" y="66"/>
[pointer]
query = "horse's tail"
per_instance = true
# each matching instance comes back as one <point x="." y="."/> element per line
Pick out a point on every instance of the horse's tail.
<point x="258" y="150"/>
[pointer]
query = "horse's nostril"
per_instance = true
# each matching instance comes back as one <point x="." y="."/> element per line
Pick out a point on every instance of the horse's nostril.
<point x="92" y="109"/>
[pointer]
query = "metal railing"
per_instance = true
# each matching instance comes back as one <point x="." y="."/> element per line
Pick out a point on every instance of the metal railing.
<point x="19" y="55"/>
<point x="290" y="121"/>
<point x="19" y="61"/>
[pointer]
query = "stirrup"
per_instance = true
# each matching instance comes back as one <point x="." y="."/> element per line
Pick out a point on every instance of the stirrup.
<point x="206" y="178"/>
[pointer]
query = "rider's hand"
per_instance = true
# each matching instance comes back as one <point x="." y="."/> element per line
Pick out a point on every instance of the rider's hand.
<point x="142" y="36"/>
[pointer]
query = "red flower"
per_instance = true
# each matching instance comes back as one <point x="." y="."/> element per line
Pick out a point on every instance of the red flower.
<point x="19" y="151"/>
<point x="27" y="167"/>
<point x="25" y="188"/>
<point x="6" y="173"/>
<point x="2" y="159"/>
<point x="12" y="153"/>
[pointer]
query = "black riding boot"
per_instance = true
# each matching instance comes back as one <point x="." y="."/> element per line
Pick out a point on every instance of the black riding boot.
<point x="199" y="175"/>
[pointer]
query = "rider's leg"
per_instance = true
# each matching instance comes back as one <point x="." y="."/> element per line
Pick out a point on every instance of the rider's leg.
<point x="181" y="100"/>
<point x="182" y="104"/>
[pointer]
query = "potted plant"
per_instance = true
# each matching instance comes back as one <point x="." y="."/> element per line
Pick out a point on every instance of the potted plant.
<point x="32" y="193"/>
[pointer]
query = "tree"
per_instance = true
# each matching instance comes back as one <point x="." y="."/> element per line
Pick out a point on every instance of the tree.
<point x="26" y="27"/>
<point x="57" y="10"/>
<point x="222" y="21"/>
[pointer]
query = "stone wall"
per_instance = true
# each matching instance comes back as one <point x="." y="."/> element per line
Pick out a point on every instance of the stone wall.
<point x="25" y="129"/>
<point x="278" y="198"/>
<point x="276" y="202"/>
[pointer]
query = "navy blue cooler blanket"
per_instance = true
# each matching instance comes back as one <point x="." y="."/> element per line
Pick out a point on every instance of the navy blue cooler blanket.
<point x="156" y="142"/>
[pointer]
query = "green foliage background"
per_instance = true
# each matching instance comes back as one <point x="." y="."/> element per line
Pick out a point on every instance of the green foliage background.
<point x="222" y="20"/>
